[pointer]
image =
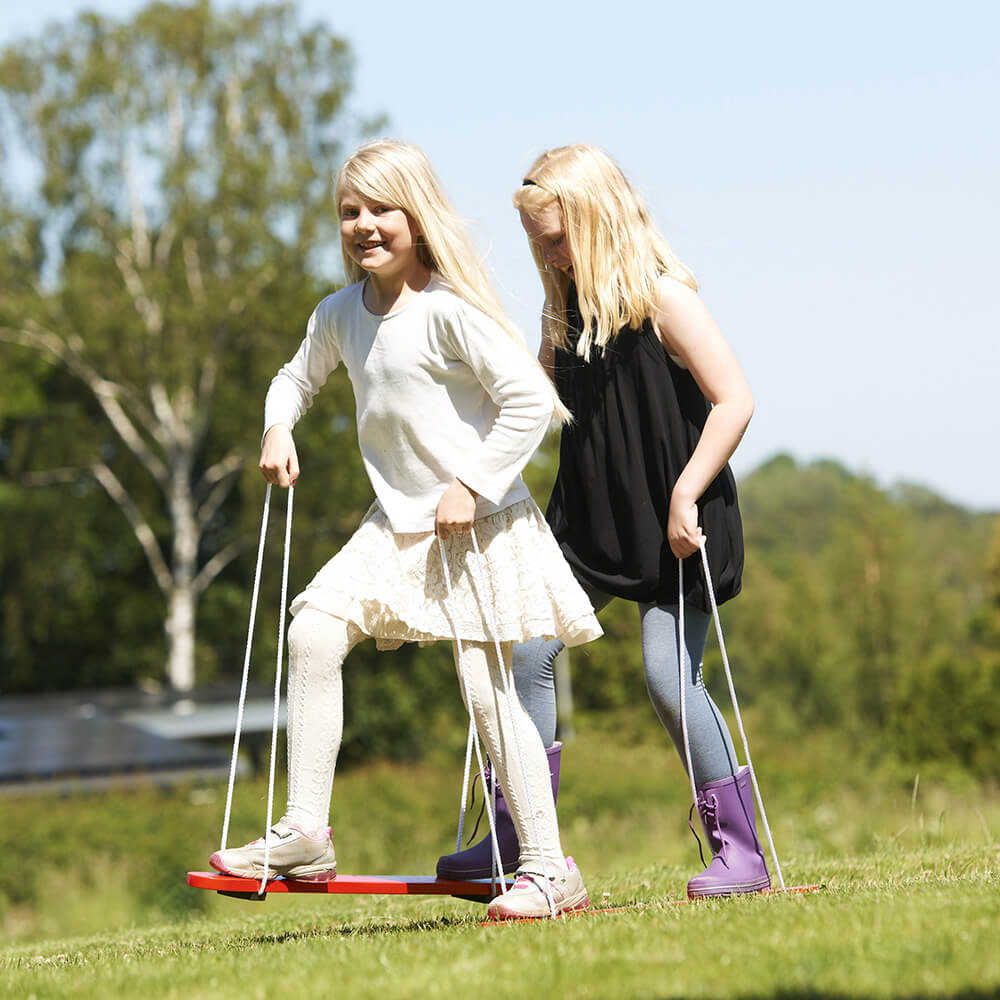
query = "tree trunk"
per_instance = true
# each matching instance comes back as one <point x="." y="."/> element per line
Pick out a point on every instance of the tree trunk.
<point x="179" y="627"/>
<point x="182" y="600"/>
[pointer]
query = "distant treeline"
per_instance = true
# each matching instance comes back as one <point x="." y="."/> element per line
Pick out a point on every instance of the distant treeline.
<point x="870" y="610"/>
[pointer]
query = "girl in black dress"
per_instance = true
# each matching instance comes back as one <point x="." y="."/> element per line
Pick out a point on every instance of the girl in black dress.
<point x="659" y="405"/>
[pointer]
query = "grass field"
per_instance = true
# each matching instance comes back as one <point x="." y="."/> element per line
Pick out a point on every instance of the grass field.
<point x="93" y="901"/>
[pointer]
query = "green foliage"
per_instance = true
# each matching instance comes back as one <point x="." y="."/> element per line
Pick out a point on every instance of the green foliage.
<point x="947" y="710"/>
<point x="859" y="611"/>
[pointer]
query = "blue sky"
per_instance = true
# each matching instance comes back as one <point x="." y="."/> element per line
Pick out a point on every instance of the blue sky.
<point x="829" y="172"/>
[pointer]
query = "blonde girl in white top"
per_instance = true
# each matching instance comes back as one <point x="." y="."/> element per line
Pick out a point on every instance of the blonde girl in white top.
<point x="450" y="406"/>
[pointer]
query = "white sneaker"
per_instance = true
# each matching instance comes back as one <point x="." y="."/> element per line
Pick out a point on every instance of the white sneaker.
<point x="528" y="898"/>
<point x="293" y="853"/>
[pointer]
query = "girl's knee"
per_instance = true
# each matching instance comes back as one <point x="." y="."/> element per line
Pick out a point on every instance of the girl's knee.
<point x="315" y="633"/>
<point x="534" y="660"/>
<point x="298" y="633"/>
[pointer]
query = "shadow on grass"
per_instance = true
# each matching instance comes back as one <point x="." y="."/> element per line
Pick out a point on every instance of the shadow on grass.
<point x="365" y="930"/>
<point x="807" y="993"/>
<point x="814" y="994"/>
<point x="371" y="931"/>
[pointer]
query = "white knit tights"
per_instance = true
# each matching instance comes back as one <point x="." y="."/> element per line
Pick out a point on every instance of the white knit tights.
<point x="318" y="644"/>
<point x="491" y="710"/>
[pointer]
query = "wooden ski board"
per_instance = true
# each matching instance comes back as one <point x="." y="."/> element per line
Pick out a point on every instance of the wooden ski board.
<point x="383" y="885"/>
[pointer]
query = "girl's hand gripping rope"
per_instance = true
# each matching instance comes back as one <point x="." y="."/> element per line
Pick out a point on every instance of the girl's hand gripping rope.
<point x="683" y="531"/>
<point x="279" y="462"/>
<point x="456" y="510"/>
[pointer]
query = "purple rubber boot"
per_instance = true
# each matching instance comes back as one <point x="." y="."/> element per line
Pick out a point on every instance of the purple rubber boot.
<point x="477" y="861"/>
<point x="727" y="813"/>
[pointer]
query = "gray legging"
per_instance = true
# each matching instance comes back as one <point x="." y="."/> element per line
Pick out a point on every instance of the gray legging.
<point x="712" y="753"/>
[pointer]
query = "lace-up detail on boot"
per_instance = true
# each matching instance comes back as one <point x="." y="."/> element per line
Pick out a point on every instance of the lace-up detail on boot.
<point x="485" y="775"/>
<point x="708" y="810"/>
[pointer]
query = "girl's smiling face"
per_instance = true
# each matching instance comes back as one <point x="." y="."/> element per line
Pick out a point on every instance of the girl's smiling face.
<point x="380" y="238"/>
<point x="545" y="229"/>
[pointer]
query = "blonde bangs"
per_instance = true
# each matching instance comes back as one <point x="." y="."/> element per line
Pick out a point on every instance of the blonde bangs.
<point x="617" y="253"/>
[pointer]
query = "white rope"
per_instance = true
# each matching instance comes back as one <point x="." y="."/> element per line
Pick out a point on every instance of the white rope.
<point x="494" y="872"/>
<point x="465" y="784"/>
<point x="508" y="680"/>
<point x="732" y="695"/>
<point x="473" y="735"/>
<point x="682" y="676"/>
<point x="277" y="682"/>
<point x="246" y="668"/>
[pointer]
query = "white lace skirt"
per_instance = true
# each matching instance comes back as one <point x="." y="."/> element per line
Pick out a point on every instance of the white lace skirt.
<point x="392" y="585"/>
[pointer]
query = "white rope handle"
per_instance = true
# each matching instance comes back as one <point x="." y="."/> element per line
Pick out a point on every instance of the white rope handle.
<point x="465" y="784"/>
<point x="246" y="668"/>
<point x="682" y="676"/>
<point x="277" y="681"/>
<point x="732" y="695"/>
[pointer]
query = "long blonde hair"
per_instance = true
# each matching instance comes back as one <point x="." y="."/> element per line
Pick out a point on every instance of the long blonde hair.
<point x="617" y="253"/>
<point x="400" y="175"/>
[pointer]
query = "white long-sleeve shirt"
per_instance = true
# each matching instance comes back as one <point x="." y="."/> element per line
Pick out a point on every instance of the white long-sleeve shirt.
<point x="442" y="392"/>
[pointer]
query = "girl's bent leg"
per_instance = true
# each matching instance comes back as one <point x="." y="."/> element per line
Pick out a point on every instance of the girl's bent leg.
<point x="712" y="752"/>
<point x="504" y="733"/>
<point x="533" y="681"/>
<point x="318" y="644"/>
<point x="547" y="881"/>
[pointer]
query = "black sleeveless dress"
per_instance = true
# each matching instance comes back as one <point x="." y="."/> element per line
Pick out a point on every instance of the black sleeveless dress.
<point x="637" y="419"/>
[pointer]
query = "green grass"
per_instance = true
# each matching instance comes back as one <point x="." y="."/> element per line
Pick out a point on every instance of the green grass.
<point x="93" y="903"/>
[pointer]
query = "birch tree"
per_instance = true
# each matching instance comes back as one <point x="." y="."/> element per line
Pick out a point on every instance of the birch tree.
<point x="166" y="187"/>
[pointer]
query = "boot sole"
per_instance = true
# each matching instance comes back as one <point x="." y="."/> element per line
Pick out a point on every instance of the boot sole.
<point x="730" y="890"/>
